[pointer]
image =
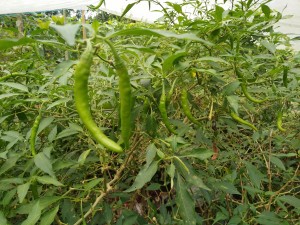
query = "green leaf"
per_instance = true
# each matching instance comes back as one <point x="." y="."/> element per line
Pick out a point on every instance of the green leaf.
<point x="127" y="9"/>
<point x="219" y="13"/>
<point x="233" y="101"/>
<point x="95" y="25"/>
<point x="160" y="154"/>
<point x="63" y="68"/>
<point x="3" y="118"/>
<point x="45" y="123"/>
<point x="68" y="212"/>
<point x="139" y="48"/>
<point x="17" y="86"/>
<point x="269" y="218"/>
<point x="292" y="200"/>
<point x="235" y="220"/>
<point x="52" y="134"/>
<point x="181" y="166"/>
<point x="255" y="175"/>
<point x="227" y="187"/>
<point x="150" y="153"/>
<point x="153" y="187"/>
<point x="8" y="197"/>
<point x="252" y="191"/>
<point x="158" y="33"/>
<point x="277" y="162"/>
<point x="186" y="170"/>
<point x="83" y="156"/>
<point x="213" y="59"/>
<point x="48" y="180"/>
<point x="230" y="88"/>
<point x="270" y="46"/>
<point x="66" y="133"/>
<point x="220" y="216"/>
<point x="176" y="7"/>
<point x="3" y="155"/>
<point x="12" y="137"/>
<point x="91" y="184"/>
<point x="3" y="220"/>
<point x="290" y="154"/>
<point x="144" y="176"/>
<point x="197" y="181"/>
<point x="9" y="43"/>
<point x="55" y="44"/>
<point x="22" y="191"/>
<point x="34" y="215"/>
<point x="44" y="203"/>
<point x="184" y="201"/>
<point x="67" y="32"/>
<point x="249" y="2"/>
<point x="266" y="10"/>
<point x="169" y="62"/>
<point x="48" y="217"/>
<point x="107" y="213"/>
<point x="58" y="102"/>
<point x="12" y="181"/>
<point x="44" y="163"/>
<point x="199" y="153"/>
<point x="9" y="163"/>
<point x="7" y="95"/>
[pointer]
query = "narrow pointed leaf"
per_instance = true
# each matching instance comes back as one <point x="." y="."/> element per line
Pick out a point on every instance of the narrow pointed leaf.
<point x="3" y="220"/>
<point x="292" y="200"/>
<point x="67" y="32"/>
<point x="9" y="163"/>
<point x="34" y="215"/>
<point x="127" y="9"/>
<point x="44" y="163"/>
<point x="169" y="62"/>
<point x="49" y="180"/>
<point x="48" y="218"/>
<point x="144" y="176"/>
<point x="159" y="33"/>
<point x="22" y="191"/>
<point x="17" y="86"/>
<point x="185" y="203"/>
<point x="255" y="175"/>
<point x="9" y="43"/>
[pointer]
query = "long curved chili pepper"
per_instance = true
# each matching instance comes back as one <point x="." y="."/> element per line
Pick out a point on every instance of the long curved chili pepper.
<point x="81" y="96"/>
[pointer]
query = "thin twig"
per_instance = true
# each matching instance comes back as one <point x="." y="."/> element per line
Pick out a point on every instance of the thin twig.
<point x="109" y="185"/>
<point x="107" y="61"/>
<point x="281" y="189"/>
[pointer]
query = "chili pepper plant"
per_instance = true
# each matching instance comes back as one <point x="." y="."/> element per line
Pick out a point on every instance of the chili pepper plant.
<point x="193" y="119"/>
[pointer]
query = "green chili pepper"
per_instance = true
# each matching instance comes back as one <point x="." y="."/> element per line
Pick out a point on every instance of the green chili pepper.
<point x="279" y="121"/>
<point x="186" y="108"/>
<point x="248" y="96"/>
<point x="241" y="121"/>
<point x="244" y="88"/>
<point x="170" y="93"/>
<point x="125" y="95"/>
<point x="97" y="6"/>
<point x="163" y="111"/>
<point x="33" y="133"/>
<point x="81" y="96"/>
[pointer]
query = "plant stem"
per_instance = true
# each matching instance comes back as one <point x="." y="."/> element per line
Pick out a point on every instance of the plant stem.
<point x="110" y="184"/>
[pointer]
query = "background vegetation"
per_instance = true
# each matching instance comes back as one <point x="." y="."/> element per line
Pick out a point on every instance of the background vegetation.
<point x="214" y="171"/>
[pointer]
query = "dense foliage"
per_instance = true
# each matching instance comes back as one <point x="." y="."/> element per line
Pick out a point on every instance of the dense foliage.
<point x="214" y="117"/>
